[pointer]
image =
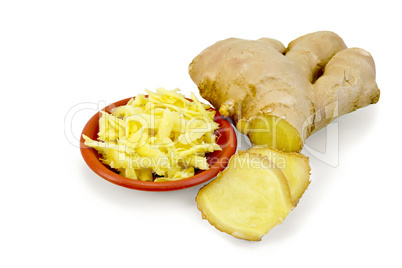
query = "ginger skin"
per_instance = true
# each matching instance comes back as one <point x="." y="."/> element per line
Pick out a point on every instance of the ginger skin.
<point x="280" y="96"/>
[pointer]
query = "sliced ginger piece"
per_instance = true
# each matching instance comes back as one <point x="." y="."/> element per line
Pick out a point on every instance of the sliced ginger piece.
<point x="248" y="198"/>
<point x="295" y="166"/>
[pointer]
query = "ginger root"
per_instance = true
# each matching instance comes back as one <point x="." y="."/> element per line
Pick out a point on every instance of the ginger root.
<point x="280" y="96"/>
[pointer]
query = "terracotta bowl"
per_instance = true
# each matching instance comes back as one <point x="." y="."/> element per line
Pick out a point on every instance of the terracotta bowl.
<point x="217" y="160"/>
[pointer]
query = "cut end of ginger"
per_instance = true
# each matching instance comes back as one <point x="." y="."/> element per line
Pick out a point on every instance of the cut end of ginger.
<point x="247" y="199"/>
<point x="273" y="131"/>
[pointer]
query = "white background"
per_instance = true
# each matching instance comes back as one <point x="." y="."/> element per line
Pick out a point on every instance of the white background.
<point x="59" y="57"/>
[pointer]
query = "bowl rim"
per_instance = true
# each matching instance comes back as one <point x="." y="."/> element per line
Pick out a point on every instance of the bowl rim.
<point x="91" y="157"/>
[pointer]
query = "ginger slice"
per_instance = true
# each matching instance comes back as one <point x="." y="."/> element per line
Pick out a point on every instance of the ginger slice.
<point x="295" y="166"/>
<point x="248" y="198"/>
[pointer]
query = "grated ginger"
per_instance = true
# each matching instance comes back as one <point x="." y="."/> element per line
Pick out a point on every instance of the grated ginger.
<point x="162" y="137"/>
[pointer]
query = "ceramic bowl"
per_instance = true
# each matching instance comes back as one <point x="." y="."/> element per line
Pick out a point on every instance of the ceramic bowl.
<point x="217" y="160"/>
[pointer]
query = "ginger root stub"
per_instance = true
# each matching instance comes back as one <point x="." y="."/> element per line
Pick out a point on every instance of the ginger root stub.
<point x="280" y="96"/>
